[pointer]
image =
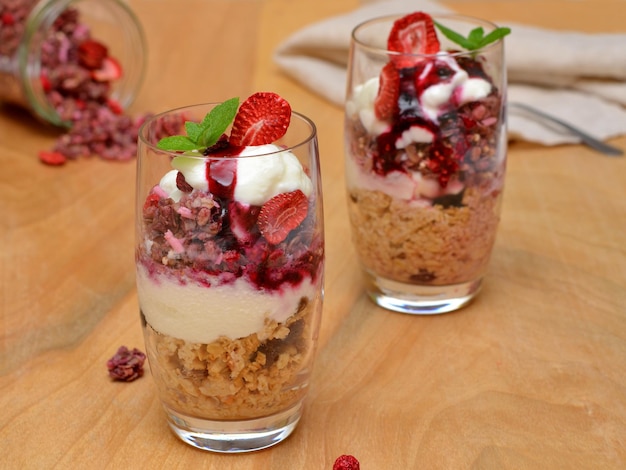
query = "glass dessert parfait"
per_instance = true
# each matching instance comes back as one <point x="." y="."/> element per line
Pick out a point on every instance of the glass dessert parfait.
<point x="230" y="259"/>
<point x="425" y="156"/>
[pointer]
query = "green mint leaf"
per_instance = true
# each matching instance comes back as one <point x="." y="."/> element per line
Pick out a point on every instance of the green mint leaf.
<point x="177" y="142"/>
<point x="454" y="36"/>
<point x="494" y="36"/>
<point x="476" y="39"/>
<point x="476" y="35"/>
<point x="193" y="130"/>
<point x="217" y="121"/>
<point x="206" y="133"/>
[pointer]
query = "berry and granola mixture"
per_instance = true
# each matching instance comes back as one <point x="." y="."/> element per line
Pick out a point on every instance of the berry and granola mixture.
<point x="77" y="77"/>
<point x="424" y="163"/>
<point x="229" y="267"/>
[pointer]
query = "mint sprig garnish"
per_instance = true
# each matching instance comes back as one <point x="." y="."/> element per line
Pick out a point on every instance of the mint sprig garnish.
<point x="206" y="133"/>
<point x="476" y="39"/>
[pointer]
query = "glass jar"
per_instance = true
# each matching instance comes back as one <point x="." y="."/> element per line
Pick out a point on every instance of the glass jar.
<point x="30" y="29"/>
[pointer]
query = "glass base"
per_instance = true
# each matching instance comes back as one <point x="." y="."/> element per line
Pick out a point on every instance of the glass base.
<point x="420" y="300"/>
<point x="234" y="436"/>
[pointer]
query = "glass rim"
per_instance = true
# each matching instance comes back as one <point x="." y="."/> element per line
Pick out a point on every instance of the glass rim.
<point x="311" y="135"/>
<point x="393" y="17"/>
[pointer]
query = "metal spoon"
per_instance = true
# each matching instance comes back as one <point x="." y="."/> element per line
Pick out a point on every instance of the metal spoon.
<point x="586" y="138"/>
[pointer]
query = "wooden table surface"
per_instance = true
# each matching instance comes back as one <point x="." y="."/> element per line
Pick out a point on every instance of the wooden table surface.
<point x="531" y="375"/>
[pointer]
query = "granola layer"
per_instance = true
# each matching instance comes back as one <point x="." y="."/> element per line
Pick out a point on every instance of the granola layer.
<point x="230" y="379"/>
<point x="426" y="245"/>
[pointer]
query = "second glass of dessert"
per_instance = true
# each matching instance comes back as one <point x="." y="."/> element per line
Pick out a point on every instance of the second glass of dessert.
<point x="425" y="156"/>
<point x="230" y="263"/>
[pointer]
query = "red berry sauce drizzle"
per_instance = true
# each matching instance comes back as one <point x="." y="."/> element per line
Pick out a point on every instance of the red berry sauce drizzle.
<point x="77" y="74"/>
<point x="456" y="127"/>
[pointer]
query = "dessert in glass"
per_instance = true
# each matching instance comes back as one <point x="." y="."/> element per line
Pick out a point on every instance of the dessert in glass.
<point x="425" y="148"/>
<point x="230" y="263"/>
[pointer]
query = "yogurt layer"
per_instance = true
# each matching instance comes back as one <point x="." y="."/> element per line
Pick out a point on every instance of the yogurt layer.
<point x="198" y="314"/>
<point x="407" y="185"/>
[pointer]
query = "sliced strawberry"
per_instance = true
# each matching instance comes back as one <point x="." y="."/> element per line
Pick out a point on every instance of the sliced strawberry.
<point x="52" y="158"/>
<point x="109" y="71"/>
<point x="281" y="214"/>
<point x="386" y="103"/>
<point x="91" y="54"/>
<point x="262" y="119"/>
<point x="412" y="34"/>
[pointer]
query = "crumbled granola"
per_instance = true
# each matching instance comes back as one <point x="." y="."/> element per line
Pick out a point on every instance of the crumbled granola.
<point x="243" y="378"/>
<point x="434" y="245"/>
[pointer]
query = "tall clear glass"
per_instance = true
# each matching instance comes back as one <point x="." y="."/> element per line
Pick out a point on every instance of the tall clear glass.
<point x="230" y="317"/>
<point x="425" y="176"/>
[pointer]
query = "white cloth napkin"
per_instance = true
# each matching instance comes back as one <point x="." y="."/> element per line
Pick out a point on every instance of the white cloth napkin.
<point x="576" y="76"/>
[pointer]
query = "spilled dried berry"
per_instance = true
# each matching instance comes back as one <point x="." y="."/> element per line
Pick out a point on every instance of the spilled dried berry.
<point x="126" y="365"/>
<point x="52" y="158"/>
<point x="346" y="462"/>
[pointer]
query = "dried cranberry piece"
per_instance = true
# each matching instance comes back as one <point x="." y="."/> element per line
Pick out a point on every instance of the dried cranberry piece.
<point x="346" y="462"/>
<point x="181" y="183"/>
<point x="126" y="365"/>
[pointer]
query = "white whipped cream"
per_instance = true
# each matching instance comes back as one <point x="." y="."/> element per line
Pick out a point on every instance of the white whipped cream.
<point x="414" y="134"/>
<point x="362" y="104"/>
<point x="261" y="178"/>
<point x="263" y="171"/>
<point x="202" y="314"/>
<point x="436" y="96"/>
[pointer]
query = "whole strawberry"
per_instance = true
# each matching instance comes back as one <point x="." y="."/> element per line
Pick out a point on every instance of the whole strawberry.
<point x="346" y="462"/>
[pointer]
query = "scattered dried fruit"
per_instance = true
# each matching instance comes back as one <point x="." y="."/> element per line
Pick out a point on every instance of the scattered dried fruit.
<point x="76" y="77"/>
<point x="52" y="158"/>
<point x="281" y="214"/>
<point x="346" y="462"/>
<point x="126" y="365"/>
<point x="262" y="119"/>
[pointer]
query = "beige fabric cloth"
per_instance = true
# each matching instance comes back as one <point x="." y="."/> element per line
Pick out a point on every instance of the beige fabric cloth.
<point x="577" y="76"/>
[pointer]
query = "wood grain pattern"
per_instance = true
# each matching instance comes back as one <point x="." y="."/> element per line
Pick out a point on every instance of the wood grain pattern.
<point x="532" y="375"/>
